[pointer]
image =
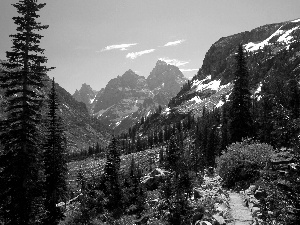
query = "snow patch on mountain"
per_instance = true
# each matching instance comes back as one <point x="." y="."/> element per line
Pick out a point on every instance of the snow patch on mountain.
<point x="286" y="36"/>
<point x="283" y="36"/>
<point x="92" y="100"/>
<point x="166" y="111"/>
<point x="213" y="85"/>
<point x="196" y="99"/>
<point x="220" y="103"/>
<point x="296" y="21"/>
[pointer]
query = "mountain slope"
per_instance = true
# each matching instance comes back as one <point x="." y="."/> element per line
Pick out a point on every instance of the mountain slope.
<point x="271" y="50"/>
<point x="87" y="95"/>
<point x="81" y="129"/>
<point x="127" y="98"/>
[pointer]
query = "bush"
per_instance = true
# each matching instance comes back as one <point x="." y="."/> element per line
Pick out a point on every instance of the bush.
<point x="241" y="162"/>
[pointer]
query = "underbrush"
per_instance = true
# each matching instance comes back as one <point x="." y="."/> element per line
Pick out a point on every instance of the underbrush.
<point x="241" y="162"/>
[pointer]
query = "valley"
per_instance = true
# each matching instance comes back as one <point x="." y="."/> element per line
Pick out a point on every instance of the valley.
<point x="219" y="147"/>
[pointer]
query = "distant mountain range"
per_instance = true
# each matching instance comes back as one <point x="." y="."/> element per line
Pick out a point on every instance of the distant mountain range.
<point x="127" y="98"/>
<point x="273" y="52"/>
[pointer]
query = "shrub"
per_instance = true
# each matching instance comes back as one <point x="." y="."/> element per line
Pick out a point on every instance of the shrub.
<point x="241" y="162"/>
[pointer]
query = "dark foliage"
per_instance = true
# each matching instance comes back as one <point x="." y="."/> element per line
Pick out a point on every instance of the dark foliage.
<point x="20" y="160"/>
<point x="111" y="178"/>
<point x="240" y="107"/>
<point x="54" y="161"/>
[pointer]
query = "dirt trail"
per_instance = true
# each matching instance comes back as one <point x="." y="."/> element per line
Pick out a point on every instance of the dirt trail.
<point x="240" y="214"/>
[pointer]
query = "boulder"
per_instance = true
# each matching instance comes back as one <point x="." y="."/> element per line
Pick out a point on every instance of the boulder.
<point x="254" y="201"/>
<point x="260" y="194"/>
<point x="198" y="215"/>
<point x="197" y="194"/>
<point x="154" y="179"/>
<point x="202" y="223"/>
<point x="219" y="220"/>
<point x="255" y="211"/>
<point x="150" y="183"/>
<point x="251" y="190"/>
<point x="158" y="172"/>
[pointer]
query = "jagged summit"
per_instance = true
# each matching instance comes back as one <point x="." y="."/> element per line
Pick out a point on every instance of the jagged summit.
<point x="128" y="97"/>
<point x="130" y="74"/>
<point x="160" y="62"/>
<point x="86" y="95"/>
<point x="167" y="76"/>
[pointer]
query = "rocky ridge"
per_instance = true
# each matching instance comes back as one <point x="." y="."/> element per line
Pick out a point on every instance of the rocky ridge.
<point x="127" y="98"/>
<point x="266" y="48"/>
<point x="87" y="95"/>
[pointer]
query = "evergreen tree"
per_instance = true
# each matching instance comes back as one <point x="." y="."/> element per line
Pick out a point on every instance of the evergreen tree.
<point x="97" y="149"/>
<point x="172" y="154"/>
<point x="294" y="98"/>
<point x="54" y="161"/>
<point x="224" y="127"/>
<point x="111" y="177"/>
<point x="240" y="112"/>
<point x="91" y="200"/>
<point x="20" y="176"/>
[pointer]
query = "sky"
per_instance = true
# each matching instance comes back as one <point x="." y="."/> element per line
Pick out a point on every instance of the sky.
<point x="94" y="41"/>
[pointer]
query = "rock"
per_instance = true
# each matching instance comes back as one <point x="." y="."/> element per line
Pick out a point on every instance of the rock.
<point x="203" y="223"/>
<point x="251" y="190"/>
<point x="197" y="194"/>
<point x="154" y="178"/>
<point x="157" y="172"/>
<point x="260" y="194"/>
<point x="198" y="215"/>
<point x="150" y="183"/>
<point x="220" y="208"/>
<point x="255" y="211"/>
<point x="219" y="219"/>
<point x="142" y="220"/>
<point x="210" y="171"/>
<point x="254" y="201"/>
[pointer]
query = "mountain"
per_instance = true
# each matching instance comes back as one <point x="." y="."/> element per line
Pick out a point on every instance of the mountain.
<point x="87" y="95"/>
<point x="127" y="98"/>
<point x="272" y="50"/>
<point x="272" y="53"/>
<point x="81" y="129"/>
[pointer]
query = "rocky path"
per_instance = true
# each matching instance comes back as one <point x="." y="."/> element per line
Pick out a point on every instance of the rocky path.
<point x="240" y="214"/>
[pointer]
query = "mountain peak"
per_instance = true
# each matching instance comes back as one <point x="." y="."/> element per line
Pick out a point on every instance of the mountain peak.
<point x="130" y="74"/>
<point x="160" y="62"/>
<point x="130" y="71"/>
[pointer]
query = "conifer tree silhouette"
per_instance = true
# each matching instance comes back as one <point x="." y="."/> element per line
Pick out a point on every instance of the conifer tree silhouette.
<point x="240" y="111"/>
<point x="20" y="160"/>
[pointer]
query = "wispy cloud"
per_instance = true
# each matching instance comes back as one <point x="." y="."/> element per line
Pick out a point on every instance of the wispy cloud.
<point x="134" y="55"/>
<point x="174" y="62"/>
<point x="121" y="47"/>
<point x="188" y="70"/>
<point x="173" y="43"/>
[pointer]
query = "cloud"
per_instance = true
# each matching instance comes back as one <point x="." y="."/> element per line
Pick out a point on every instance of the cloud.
<point x="134" y="55"/>
<point x="122" y="47"/>
<point x="174" y="62"/>
<point x="174" y="43"/>
<point x="188" y="70"/>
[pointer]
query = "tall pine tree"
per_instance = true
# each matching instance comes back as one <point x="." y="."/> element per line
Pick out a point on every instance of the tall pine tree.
<point x="111" y="177"/>
<point x="240" y="111"/>
<point x="20" y="160"/>
<point x="54" y="161"/>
